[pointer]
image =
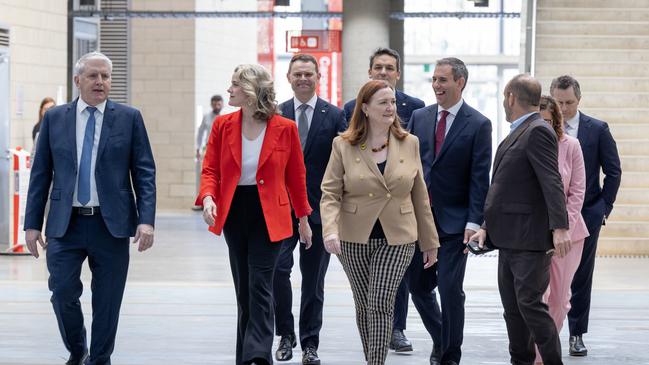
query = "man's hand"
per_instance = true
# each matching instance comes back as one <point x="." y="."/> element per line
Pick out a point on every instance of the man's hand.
<point x="467" y="235"/>
<point x="332" y="244"/>
<point x="209" y="210"/>
<point x="430" y="257"/>
<point x="561" y="240"/>
<point x="32" y="236"/>
<point x="480" y="236"/>
<point x="144" y="236"/>
<point x="305" y="232"/>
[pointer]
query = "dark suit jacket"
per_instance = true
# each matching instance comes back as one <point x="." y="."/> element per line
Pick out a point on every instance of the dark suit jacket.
<point x="526" y="201"/>
<point x="406" y="104"/>
<point x="457" y="178"/>
<point x="599" y="150"/>
<point x="328" y="121"/>
<point x="124" y="165"/>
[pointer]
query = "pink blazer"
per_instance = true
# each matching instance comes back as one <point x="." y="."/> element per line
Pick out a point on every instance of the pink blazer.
<point x="573" y="174"/>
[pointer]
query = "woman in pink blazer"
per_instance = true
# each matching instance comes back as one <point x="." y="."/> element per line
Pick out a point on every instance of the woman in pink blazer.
<point x="571" y="167"/>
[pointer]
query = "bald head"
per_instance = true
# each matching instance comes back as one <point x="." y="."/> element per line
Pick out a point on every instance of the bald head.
<point x="522" y="96"/>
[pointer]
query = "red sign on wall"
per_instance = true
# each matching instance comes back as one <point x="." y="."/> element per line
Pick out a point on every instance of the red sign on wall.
<point x="305" y="42"/>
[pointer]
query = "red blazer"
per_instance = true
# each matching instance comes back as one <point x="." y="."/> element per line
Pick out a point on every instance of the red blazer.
<point x="280" y="170"/>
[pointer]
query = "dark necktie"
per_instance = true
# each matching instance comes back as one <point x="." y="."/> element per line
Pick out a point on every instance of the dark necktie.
<point x="440" y="133"/>
<point x="83" y="192"/>
<point x="303" y="124"/>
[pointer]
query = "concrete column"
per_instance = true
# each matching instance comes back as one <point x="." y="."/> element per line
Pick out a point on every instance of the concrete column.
<point x="397" y="36"/>
<point x="366" y="26"/>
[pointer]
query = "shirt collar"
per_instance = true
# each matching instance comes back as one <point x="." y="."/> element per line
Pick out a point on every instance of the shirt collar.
<point x="82" y="105"/>
<point x="519" y="121"/>
<point x="574" y="121"/>
<point x="452" y="110"/>
<point x="311" y="102"/>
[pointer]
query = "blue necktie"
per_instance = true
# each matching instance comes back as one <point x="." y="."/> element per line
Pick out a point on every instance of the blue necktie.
<point x="83" y="194"/>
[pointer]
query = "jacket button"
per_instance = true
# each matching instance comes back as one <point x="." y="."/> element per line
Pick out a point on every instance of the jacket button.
<point x="358" y="159"/>
<point x="261" y="181"/>
<point x="389" y="195"/>
<point x="371" y="195"/>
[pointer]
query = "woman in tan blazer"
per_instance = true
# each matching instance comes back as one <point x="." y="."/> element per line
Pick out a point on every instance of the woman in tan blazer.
<point x="374" y="208"/>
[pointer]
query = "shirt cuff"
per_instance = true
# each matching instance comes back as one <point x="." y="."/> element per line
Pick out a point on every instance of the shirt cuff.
<point x="472" y="226"/>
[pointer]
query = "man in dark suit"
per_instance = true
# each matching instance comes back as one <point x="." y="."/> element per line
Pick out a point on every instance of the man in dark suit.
<point x="96" y="154"/>
<point x="318" y="124"/>
<point x="526" y="218"/>
<point x="600" y="153"/>
<point x="385" y="64"/>
<point x="455" y="147"/>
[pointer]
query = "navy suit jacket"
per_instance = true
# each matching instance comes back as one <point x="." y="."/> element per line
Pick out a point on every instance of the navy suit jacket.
<point x="458" y="177"/>
<point x="600" y="151"/>
<point x="328" y="120"/>
<point x="406" y="104"/>
<point x="123" y="156"/>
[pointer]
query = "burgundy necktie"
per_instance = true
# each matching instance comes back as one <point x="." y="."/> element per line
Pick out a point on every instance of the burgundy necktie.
<point x="440" y="132"/>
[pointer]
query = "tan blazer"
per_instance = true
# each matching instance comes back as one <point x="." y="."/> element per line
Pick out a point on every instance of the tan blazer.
<point x="355" y="194"/>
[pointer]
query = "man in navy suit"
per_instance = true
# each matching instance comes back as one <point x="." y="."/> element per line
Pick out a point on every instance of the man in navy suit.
<point x="385" y="64"/>
<point x="318" y="124"/>
<point x="455" y="147"/>
<point x="96" y="154"/>
<point x="600" y="153"/>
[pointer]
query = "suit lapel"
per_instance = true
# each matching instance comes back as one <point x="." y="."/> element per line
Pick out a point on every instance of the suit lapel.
<point x="273" y="131"/>
<point x="432" y="125"/>
<point x="393" y="158"/>
<point x="459" y="123"/>
<point x="583" y="131"/>
<point x="366" y="155"/>
<point x="288" y="109"/>
<point x="107" y="125"/>
<point x="71" y="129"/>
<point x="509" y="141"/>
<point x="233" y="135"/>
<point x="319" y="114"/>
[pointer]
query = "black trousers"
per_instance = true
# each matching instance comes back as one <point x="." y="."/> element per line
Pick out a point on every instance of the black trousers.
<point x="108" y="257"/>
<point x="582" y="285"/>
<point x="523" y="277"/>
<point x="313" y="266"/>
<point x="252" y="261"/>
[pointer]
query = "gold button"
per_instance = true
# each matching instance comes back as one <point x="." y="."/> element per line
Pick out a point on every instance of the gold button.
<point x="371" y="195"/>
<point x="389" y="196"/>
<point x="358" y="159"/>
<point x="261" y="181"/>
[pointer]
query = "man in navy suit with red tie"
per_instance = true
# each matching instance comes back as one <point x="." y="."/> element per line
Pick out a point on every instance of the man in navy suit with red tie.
<point x="455" y="147"/>
<point x="96" y="156"/>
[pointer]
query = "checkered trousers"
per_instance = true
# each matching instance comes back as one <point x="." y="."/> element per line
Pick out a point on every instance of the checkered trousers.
<point x="375" y="270"/>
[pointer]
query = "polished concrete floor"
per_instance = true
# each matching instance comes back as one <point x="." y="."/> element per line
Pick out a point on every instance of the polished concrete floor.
<point x="179" y="308"/>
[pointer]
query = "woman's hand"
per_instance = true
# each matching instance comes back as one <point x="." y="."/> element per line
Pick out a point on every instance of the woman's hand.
<point x="209" y="210"/>
<point x="305" y="232"/>
<point x="332" y="244"/>
<point x="430" y="257"/>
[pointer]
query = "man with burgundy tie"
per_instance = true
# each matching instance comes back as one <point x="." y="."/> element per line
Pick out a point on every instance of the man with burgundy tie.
<point x="318" y="123"/>
<point x="455" y="148"/>
<point x="96" y="154"/>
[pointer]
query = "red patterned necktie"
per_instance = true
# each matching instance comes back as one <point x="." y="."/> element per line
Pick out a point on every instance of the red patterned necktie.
<point x="440" y="133"/>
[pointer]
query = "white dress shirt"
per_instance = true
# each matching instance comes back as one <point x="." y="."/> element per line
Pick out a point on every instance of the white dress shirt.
<point x="309" y="111"/>
<point x="82" y="121"/>
<point x="571" y="126"/>
<point x="452" y="113"/>
<point x="250" y="151"/>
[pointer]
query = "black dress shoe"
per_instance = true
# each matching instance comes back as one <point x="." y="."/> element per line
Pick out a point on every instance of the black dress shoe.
<point x="399" y="342"/>
<point x="310" y="356"/>
<point x="285" y="349"/>
<point x="76" y="360"/>
<point x="577" y="347"/>
<point x="436" y="356"/>
<point x="450" y="362"/>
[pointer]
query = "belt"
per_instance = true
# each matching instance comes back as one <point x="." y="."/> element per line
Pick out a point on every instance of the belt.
<point x="85" y="210"/>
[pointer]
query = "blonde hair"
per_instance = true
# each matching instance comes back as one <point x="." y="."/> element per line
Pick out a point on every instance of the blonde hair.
<point x="257" y="84"/>
<point x="358" y="125"/>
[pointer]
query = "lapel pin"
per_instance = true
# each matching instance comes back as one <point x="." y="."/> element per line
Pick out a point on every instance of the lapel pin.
<point x="322" y="111"/>
<point x="403" y="104"/>
<point x="363" y="146"/>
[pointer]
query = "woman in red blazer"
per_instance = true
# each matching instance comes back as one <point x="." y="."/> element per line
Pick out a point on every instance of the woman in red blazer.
<point x="252" y="165"/>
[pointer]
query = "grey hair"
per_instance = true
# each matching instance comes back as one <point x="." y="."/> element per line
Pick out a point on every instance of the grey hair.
<point x="80" y="65"/>
<point x="457" y="66"/>
<point x="257" y="83"/>
<point x="564" y="82"/>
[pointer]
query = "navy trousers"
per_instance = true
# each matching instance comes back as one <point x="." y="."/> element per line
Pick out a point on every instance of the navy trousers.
<point x="582" y="284"/>
<point x="252" y="261"/>
<point x="313" y="266"/>
<point x="108" y="257"/>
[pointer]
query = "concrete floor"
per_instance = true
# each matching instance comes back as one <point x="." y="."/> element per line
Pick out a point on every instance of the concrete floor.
<point x="179" y="308"/>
